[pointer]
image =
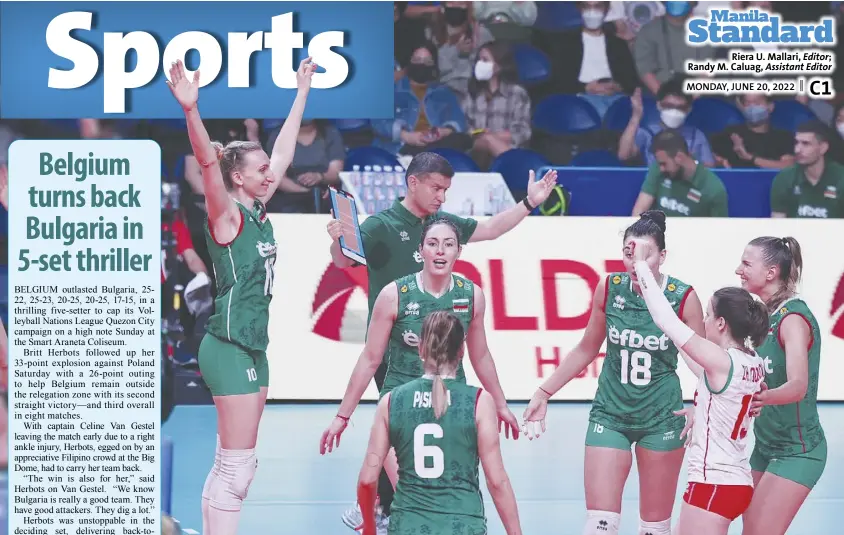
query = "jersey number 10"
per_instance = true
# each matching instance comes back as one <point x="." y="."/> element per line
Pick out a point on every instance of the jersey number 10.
<point x="421" y="452"/>
<point x="635" y="368"/>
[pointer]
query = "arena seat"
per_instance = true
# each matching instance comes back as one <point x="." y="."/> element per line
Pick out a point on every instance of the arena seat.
<point x="534" y="66"/>
<point x="714" y="115"/>
<point x="566" y="115"/>
<point x="618" y="114"/>
<point x="557" y="16"/>
<point x="788" y="115"/>
<point x="460" y="161"/>
<point x="351" y="125"/>
<point x="515" y="164"/>
<point x="369" y="156"/>
<point x="596" y="158"/>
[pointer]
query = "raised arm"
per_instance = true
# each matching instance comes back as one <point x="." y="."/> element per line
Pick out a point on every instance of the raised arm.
<point x="501" y="223"/>
<point x="489" y="451"/>
<point x="713" y="359"/>
<point x="484" y="366"/>
<point x="223" y="215"/>
<point x="377" y="336"/>
<point x="285" y="144"/>
<point x="693" y="317"/>
<point x="376" y="452"/>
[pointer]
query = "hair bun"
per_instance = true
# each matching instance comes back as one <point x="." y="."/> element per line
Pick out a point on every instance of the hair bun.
<point x="218" y="149"/>
<point x="657" y="216"/>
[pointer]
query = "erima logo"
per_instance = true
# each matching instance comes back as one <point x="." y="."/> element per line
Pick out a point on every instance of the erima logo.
<point x="619" y="302"/>
<point x="602" y="525"/>
<point x="412" y="309"/>
<point x="403" y="235"/>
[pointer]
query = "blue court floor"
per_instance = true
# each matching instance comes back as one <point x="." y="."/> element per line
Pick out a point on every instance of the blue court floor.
<point x="298" y="492"/>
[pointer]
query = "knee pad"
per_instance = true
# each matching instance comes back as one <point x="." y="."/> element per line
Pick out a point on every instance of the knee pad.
<point x="655" y="528"/>
<point x="601" y="523"/>
<point x="215" y="469"/>
<point x="230" y="484"/>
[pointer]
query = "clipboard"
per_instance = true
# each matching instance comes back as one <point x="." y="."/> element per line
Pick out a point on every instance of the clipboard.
<point x="345" y="211"/>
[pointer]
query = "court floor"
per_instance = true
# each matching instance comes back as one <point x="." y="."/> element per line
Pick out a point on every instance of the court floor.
<point x="296" y="491"/>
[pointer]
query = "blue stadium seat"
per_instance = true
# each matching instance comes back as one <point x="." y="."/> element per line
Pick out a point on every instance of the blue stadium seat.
<point x="713" y="115"/>
<point x="566" y="115"/>
<point x="515" y="164"/>
<point x="460" y="161"/>
<point x="351" y="125"/>
<point x="618" y="114"/>
<point x="557" y="16"/>
<point x="789" y="115"/>
<point x="532" y="63"/>
<point x="369" y="156"/>
<point x="596" y="158"/>
<point x="70" y="126"/>
<point x="179" y="168"/>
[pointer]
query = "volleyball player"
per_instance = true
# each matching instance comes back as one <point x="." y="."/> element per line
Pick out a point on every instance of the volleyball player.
<point x="720" y="485"/>
<point x="790" y="453"/>
<point x="238" y="180"/>
<point x="439" y="427"/>
<point x="638" y="400"/>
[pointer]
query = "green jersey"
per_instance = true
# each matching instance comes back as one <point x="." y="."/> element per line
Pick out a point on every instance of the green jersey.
<point x="438" y="492"/>
<point x="391" y="243"/>
<point x="796" y="427"/>
<point x="793" y="195"/>
<point x="402" y="355"/>
<point x="638" y="387"/>
<point x="704" y="195"/>
<point x="243" y="270"/>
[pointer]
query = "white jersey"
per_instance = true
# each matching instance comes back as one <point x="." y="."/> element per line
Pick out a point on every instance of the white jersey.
<point x="718" y="453"/>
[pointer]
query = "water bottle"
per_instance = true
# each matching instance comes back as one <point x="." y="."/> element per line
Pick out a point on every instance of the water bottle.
<point x="489" y="200"/>
<point x="367" y="175"/>
<point x="354" y="177"/>
<point x="377" y="175"/>
<point x="388" y="176"/>
<point x="398" y="180"/>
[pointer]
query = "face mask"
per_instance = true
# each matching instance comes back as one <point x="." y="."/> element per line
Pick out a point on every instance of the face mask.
<point x="419" y="73"/>
<point x="755" y="114"/>
<point x="592" y="19"/>
<point x="456" y="16"/>
<point x="672" y="118"/>
<point x="677" y="9"/>
<point x="840" y="128"/>
<point x="483" y="70"/>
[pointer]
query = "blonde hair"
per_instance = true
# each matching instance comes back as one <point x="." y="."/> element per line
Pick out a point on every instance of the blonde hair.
<point x="440" y="345"/>
<point x="785" y="253"/>
<point x="231" y="157"/>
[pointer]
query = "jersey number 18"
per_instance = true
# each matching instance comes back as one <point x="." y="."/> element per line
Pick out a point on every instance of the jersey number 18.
<point x="421" y="452"/>
<point x="635" y="368"/>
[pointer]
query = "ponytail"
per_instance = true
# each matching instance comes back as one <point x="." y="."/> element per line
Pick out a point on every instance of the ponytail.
<point x="440" y="344"/>
<point x="439" y="396"/>
<point x="785" y="253"/>
<point x="758" y="320"/>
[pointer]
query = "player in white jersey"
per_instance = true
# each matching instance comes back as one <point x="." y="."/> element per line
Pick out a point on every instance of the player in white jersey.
<point x="729" y="373"/>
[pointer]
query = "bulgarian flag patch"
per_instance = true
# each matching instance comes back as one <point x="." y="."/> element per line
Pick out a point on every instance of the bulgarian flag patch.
<point x="693" y="195"/>
<point x="460" y="305"/>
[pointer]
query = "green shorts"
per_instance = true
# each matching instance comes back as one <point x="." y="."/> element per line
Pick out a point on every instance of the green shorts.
<point x="229" y="369"/>
<point x="802" y="468"/>
<point x="600" y="436"/>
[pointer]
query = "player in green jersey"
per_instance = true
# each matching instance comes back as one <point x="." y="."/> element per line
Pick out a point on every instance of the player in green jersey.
<point x="238" y="180"/>
<point x="790" y="453"/>
<point x="397" y="317"/>
<point x="638" y="400"/>
<point x="440" y="428"/>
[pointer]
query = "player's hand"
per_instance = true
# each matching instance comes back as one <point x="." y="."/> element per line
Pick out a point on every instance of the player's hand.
<point x="331" y="436"/>
<point x="759" y="400"/>
<point x="508" y="420"/>
<point x="640" y="249"/>
<point x="334" y="228"/>
<point x="185" y="91"/>
<point x="689" y="413"/>
<point x="305" y="73"/>
<point x="534" y="417"/>
<point x="539" y="190"/>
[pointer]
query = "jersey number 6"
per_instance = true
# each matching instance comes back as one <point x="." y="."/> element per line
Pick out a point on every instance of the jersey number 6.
<point x="421" y="452"/>
<point x="635" y="368"/>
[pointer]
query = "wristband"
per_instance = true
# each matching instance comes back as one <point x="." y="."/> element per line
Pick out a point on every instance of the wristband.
<point x="345" y="419"/>
<point x="526" y="202"/>
<point x="546" y="392"/>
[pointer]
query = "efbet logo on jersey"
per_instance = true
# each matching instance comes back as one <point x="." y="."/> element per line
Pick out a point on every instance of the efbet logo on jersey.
<point x="630" y="338"/>
<point x="340" y="308"/>
<point x="265" y="249"/>
<point x="619" y="302"/>
<point x="410" y="338"/>
<point x="412" y="309"/>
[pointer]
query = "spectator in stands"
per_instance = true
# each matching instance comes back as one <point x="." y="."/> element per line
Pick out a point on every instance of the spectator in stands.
<point x="837" y="144"/>
<point x="508" y="21"/>
<point x="814" y="186"/>
<point x="755" y="143"/>
<point x="660" y="48"/>
<point x="496" y="104"/>
<point x="407" y="32"/>
<point x="683" y="186"/>
<point x="459" y="37"/>
<point x="591" y="63"/>
<point x="316" y="164"/>
<point x="428" y="114"/>
<point x="629" y="17"/>
<point x="674" y="105"/>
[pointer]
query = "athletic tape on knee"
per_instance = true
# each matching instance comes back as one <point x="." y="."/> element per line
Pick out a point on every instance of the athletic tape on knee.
<point x="655" y="528"/>
<point x="601" y="523"/>
<point x="230" y="485"/>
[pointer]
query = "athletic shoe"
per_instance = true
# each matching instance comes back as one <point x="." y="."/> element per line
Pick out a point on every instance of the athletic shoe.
<point x="354" y="519"/>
